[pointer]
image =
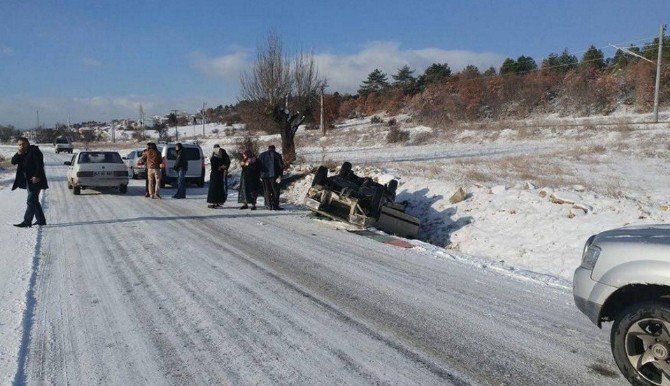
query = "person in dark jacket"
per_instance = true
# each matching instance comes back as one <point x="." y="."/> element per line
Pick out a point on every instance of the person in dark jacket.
<point x="218" y="189"/>
<point x="180" y="166"/>
<point x="30" y="175"/>
<point x="250" y="180"/>
<point x="272" y="168"/>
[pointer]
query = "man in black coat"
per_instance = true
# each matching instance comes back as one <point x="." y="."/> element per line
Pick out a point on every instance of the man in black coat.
<point x="181" y="167"/>
<point x="30" y="175"/>
<point x="272" y="168"/>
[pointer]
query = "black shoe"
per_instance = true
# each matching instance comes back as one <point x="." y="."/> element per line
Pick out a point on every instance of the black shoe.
<point x="39" y="223"/>
<point x="277" y="208"/>
<point x="244" y="207"/>
<point x="253" y="207"/>
<point x="23" y="225"/>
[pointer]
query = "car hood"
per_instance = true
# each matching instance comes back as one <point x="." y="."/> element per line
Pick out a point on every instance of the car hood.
<point x="643" y="234"/>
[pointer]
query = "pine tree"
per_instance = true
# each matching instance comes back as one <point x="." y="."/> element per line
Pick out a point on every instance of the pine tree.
<point x="471" y="71"/>
<point x="567" y="61"/>
<point x="376" y="82"/>
<point x="525" y="64"/>
<point x="435" y="73"/>
<point x="491" y="71"/>
<point x="405" y="80"/>
<point x="508" y="67"/>
<point x="593" y="58"/>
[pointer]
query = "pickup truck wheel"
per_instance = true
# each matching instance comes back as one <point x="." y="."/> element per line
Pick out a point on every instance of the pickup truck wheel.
<point x="76" y="190"/>
<point x="123" y="189"/>
<point x="640" y="341"/>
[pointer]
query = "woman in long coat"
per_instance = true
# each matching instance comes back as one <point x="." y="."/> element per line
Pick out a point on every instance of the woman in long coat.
<point x="219" y="164"/>
<point x="250" y="181"/>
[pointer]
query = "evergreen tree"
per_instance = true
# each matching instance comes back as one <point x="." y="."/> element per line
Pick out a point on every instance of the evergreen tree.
<point x="567" y="61"/>
<point x="525" y="64"/>
<point x="435" y="73"/>
<point x="508" y="67"/>
<point x="376" y="82"/>
<point x="470" y="71"/>
<point x="405" y="80"/>
<point x="593" y="58"/>
<point x="622" y="59"/>
<point x="490" y="72"/>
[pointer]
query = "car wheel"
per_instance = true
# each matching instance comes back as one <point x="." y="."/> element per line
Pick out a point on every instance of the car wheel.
<point x="345" y="169"/>
<point x="123" y="189"/>
<point x="321" y="176"/>
<point x="640" y="341"/>
<point x="69" y="185"/>
<point x="76" y="190"/>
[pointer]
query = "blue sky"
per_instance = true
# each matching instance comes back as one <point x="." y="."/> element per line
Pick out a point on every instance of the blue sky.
<point x="101" y="59"/>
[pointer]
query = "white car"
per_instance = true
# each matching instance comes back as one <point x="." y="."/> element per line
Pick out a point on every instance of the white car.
<point x="97" y="169"/>
<point x="625" y="278"/>
<point x="135" y="170"/>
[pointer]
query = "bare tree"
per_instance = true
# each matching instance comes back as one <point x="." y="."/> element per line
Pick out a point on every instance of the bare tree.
<point x="274" y="77"/>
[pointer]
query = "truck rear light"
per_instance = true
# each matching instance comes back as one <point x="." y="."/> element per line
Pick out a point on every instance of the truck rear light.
<point x="85" y="174"/>
<point x="121" y="173"/>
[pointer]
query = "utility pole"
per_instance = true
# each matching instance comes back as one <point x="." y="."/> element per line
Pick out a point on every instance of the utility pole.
<point x="658" y="71"/>
<point x="323" y="127"/>
<point x="203" y="119"/>
<point x="113" y="133"/>
<point x="175" y="125"/>
<point x="142" y="120"/>
<point x="38" y="118"/>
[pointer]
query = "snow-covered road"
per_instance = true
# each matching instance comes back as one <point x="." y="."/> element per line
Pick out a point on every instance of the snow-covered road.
<point x="136" y="291"/>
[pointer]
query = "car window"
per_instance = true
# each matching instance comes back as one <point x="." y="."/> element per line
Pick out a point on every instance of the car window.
<point x="103" y="157"/>
<point x="62" y="140"/>
<point x="138" y="153"/>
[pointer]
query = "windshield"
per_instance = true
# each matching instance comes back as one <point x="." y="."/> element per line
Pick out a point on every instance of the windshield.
<point x="62" y="141"/>
<point x="103" y="157"/>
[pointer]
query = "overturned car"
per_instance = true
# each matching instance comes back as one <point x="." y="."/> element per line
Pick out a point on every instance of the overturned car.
<point x="360" y="201"/>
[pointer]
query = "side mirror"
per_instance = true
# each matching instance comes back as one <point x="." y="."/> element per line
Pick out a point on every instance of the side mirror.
<point x="67" y="163"/>
<point x="124" y="158"/>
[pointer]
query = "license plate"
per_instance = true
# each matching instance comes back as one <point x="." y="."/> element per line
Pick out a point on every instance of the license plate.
<point x="103" y="174"/>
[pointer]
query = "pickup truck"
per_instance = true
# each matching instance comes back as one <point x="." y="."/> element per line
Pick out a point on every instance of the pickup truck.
<point x="624" y="278"/>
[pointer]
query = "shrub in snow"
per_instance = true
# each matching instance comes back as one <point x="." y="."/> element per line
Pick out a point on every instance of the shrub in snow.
<point x="395" y="135"/>
<point x="392" y="122"/>
<point x="376" y="119"/>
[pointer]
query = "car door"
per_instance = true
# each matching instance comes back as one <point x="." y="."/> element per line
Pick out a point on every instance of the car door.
<point x="70" y="168"/>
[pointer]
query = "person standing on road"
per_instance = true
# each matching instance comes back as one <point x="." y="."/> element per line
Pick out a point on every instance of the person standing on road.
<point x="153" y="160"/>
<point x="180" y="166"/>
<point x="218" y="191"/>
<point x="146" y="172"/>
<point x="30" y="175"/>
<point x="272" y="168"/>
<point x="250" y="180"/>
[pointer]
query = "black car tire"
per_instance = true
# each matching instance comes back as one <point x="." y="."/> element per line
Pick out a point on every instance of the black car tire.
<point x="76" y="190"/>
<point x="123" y="189"/>
<point x="345" y="169"/>
<point x="622" y="323"/>
<point x="321" y="176"/>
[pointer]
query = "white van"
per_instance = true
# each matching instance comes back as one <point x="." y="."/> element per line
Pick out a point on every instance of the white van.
<point x="196" y="163"/>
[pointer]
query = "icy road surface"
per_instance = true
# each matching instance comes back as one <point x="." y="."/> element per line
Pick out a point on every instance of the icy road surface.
<point x="128" y="290"/>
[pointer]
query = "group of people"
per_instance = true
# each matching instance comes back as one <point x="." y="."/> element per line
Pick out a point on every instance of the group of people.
<point x="262" y="173"/>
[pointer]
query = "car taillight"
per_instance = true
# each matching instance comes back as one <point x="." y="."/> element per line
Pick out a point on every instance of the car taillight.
<point x="85" y="174"/>
<point x="121" y="173"/>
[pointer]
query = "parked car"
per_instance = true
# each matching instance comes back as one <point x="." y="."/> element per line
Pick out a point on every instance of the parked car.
<point x="625" y="278"/>
<point x="63" y="145"/>
<point x="196" y="163"/>
<point x="131" y="160"/>
<point x="97" y="169"/>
